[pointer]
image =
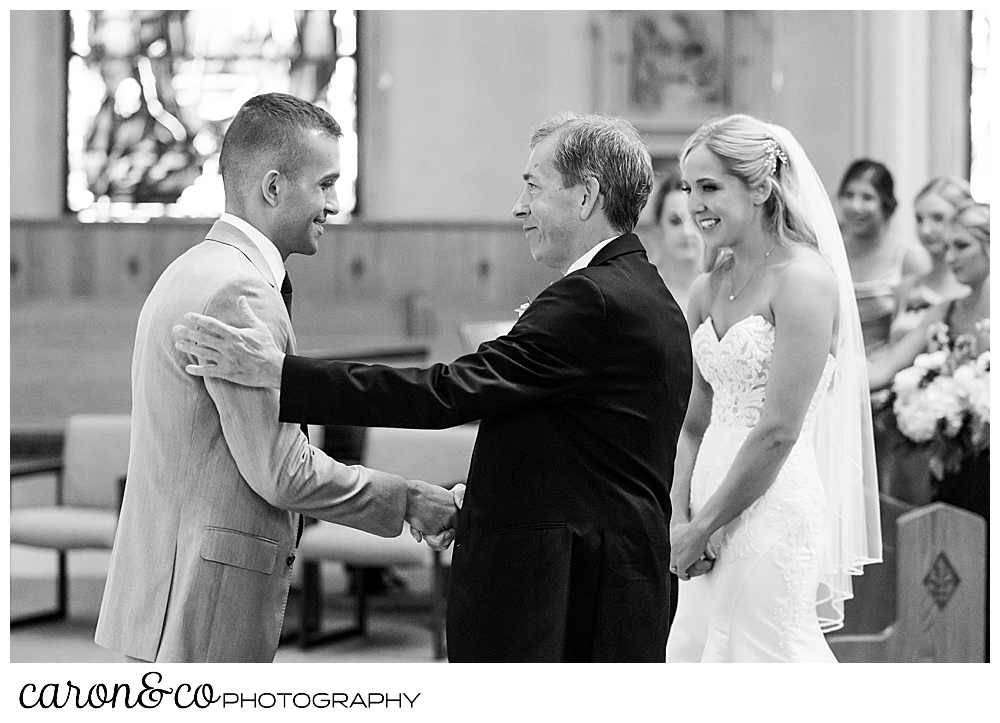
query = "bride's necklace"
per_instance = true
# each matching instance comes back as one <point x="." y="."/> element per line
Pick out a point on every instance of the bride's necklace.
<point x="734" y="294"/>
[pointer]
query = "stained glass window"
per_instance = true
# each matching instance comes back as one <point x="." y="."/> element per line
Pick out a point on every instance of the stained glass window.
<point x="151" y="93"/>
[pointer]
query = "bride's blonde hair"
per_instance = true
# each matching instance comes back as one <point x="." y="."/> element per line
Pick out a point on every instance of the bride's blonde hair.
<point x="749" y="152"/>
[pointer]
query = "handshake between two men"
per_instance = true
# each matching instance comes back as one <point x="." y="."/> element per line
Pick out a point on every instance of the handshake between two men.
<point x="431" y="512"/>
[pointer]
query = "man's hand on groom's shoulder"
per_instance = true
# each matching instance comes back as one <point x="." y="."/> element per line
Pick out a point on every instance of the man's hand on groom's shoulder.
<point x="246" y="355"/>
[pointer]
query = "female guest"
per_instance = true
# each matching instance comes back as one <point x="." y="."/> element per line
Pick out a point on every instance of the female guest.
<point x="965" y="320"/>
<point x="677" y="251"/>
<point x="883" y="268"/>
<point x="774" y="478"/>
<point x="934" y="207"/>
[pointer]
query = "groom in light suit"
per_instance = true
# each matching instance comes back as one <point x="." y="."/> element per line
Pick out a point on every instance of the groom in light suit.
<point x="562" y="544"/>
<point x="216" y="486"/>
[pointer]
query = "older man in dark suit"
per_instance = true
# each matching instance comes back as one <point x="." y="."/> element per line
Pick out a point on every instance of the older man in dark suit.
<point x="562" y="544"/>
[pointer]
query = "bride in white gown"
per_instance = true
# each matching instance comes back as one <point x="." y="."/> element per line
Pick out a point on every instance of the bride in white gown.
<point x="775" y="504"/>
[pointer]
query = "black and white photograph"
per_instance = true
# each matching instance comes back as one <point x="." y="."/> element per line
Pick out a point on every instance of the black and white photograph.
<point x="652" y="335"/>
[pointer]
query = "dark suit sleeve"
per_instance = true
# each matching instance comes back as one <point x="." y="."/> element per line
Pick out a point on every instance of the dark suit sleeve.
<point x="546" y="356"/>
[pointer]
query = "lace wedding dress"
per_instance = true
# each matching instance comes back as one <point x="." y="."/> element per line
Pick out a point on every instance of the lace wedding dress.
<point x="758" y="603"/>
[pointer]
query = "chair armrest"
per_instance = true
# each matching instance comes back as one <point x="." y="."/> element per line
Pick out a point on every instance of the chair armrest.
<point x="38" y="465"/>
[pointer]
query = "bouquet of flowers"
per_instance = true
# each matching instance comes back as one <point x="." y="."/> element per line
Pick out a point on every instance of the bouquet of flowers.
<point x="943" y="400"/>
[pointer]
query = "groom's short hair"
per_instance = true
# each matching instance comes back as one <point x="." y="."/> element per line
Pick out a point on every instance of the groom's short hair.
<point x="268" y="133"/>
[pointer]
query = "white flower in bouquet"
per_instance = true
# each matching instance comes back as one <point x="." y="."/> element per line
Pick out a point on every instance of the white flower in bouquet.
<point x="948" y="401"/>
<point x="980" y="401"/>
<point x="915" y="418"/>
<point x="979" y="397"/>
<point x="906" y="381"/>
<point x="931" y="361"/>
<point x="983" y="363"/>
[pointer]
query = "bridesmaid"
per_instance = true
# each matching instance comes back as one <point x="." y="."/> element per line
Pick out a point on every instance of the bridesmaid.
<point x="967" y="238"/>
<point x="882" y="267"/>
<point x="677" y="250"/>
<point x="934" y="206"/>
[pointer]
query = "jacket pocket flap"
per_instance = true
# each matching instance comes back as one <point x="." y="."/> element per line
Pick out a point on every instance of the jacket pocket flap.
<point x="239" y="549"/>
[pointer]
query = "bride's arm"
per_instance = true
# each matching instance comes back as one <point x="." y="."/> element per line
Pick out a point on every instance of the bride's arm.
<point x="696" y="419"/>
<point x="804" y="308"/>
<point x="695" y="423"/>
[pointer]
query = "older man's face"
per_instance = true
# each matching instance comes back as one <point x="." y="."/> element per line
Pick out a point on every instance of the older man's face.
<point x="550" y="213"/>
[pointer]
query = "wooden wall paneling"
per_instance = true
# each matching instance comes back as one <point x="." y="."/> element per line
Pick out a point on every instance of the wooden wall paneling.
<point x="410" y="275"/>
<point x="531" y="276"/>
<point x="512" y="273"/>
<point x="491" y="272"/>
<point x="512" y="270"/>
<point x="455" y="254"/>
<point x="315" y="277"/>
<point x="119" y="256"/>
<point x="406" y="260"/>
<point x="32" y="257"/>
<point x="357" y="264"/>
<point x="80" y="245"/>
<point x="169" y="242"/>
<point x="105" y="253"/>
<point x="50" y="260"/>
<point x="18" y="263"/>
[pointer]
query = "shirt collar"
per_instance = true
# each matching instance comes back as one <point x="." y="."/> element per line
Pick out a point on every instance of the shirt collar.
<point x="267" y="249"/>
<point x="584" y="261"/>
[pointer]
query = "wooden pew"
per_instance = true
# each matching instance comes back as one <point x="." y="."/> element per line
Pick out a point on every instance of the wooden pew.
<point x="940" y="593"/>
<point x="873" y="607"/>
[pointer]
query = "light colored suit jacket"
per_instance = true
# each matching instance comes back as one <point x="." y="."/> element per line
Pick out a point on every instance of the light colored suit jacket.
<point x="206" y="540"/>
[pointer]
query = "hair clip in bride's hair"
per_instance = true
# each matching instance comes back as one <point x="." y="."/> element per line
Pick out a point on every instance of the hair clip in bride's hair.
<point x="774" y="154"/>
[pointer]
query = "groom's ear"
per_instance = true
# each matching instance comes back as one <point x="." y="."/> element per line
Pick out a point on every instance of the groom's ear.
<point x="271" y="187"/>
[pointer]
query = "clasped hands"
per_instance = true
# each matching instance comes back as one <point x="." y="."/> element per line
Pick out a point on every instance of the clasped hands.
<point x="431" y="512"/>
<point x="692" y="550"/>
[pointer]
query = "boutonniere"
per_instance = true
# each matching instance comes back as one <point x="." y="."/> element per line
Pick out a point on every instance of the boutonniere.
<point x="523" y="307"/>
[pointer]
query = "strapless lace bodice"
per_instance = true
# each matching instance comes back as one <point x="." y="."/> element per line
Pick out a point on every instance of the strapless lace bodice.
<point x="737" y="368"/>
<point x="786" y="523"/>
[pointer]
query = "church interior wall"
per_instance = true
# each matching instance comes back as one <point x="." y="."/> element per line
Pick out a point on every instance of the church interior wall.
<point x="447" y="100"/>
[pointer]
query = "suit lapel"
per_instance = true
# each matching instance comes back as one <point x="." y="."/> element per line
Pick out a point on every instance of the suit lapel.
<point x="224" y="233"/>
<point x="232" y="236"/>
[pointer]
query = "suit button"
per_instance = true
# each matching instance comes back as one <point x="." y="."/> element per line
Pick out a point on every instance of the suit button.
<point x="290" y="560"/>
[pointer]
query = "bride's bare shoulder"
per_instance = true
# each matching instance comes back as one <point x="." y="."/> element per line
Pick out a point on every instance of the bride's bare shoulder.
<point x="806" y="273"/>
<point x="805" y="263"/>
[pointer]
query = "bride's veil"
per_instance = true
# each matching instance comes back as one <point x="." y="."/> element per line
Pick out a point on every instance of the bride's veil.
<point x="845" y="447"/>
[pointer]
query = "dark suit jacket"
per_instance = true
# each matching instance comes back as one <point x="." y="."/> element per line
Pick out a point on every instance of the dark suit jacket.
<point x="562" y="544"/>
